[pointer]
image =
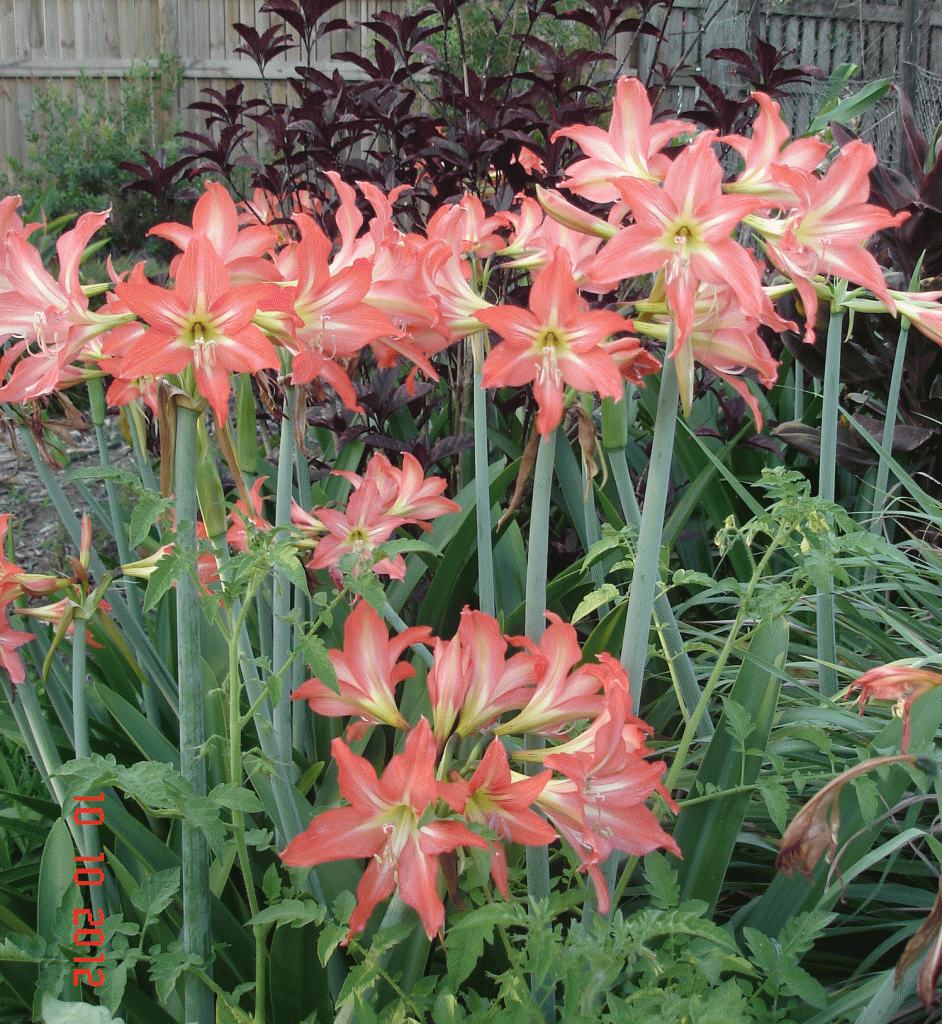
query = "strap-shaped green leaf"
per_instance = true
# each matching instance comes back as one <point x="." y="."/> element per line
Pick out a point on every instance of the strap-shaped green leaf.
<point x="707" y="831"/>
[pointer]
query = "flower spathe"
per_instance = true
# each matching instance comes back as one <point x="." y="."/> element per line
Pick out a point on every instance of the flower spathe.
<point x="382" y="823"/>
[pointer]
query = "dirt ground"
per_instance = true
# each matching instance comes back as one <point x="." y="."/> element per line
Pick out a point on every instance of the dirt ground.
<point x="40" y="542"/>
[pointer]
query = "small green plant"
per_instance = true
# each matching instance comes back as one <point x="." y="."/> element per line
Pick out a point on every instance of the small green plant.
<point x="73" y="158"/>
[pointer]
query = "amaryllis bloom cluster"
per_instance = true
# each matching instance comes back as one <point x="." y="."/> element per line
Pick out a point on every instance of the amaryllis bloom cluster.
<point x="651" y="203"/>
<point x="485" y="692"/>
<point x="54" y="333"/>
<point x="383" y="499"/>
<point x="655" y="200"/>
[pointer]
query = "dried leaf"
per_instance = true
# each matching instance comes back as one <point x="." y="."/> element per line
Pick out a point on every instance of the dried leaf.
<point x="588" y="443"/>
<point x="526" y="471"/>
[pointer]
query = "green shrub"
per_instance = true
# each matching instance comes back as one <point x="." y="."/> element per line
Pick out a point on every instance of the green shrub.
<point x="73" y="158"/>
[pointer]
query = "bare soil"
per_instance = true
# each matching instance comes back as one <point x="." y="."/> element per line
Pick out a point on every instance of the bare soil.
<point x="40" y="541"/>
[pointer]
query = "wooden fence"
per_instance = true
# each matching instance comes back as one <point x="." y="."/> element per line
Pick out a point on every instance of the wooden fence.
<point x="896" y="39"/>
<point x="53" y="42"/>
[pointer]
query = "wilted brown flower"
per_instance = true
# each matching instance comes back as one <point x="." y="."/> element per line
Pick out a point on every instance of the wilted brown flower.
<point x="813" y="831"/>
<point x="929" y="932"/>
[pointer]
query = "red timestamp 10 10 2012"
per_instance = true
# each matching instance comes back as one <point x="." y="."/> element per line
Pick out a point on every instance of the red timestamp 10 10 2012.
<point x="87" y="931"/>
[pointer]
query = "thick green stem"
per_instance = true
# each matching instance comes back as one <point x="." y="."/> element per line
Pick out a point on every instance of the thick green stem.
<point x="538" y="545"/>
<point x="538" y="878"/>
<point x="486" y="594"/>
<point x="827" y="469"/>
<point x="238" y="817"/>
<point x="197" y="929"/>
<point x="634" y="652"/>
<point x="681" y="668"/>
<point x="96" y="394"/>
<point x="79" y="683"/>
<point x="889" y="434"/>
<point x="281" y="599"/>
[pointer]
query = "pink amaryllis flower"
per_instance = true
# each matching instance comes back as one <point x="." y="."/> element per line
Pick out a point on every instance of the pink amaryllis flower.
<point x="466" y="228"/>
<point x="405" y="492"/>
<point x="14" y="582"/>
<point x="495" y="684"/>
<point x="397" y="288"/>
<point x="471" y="684"/>
<point x="358" y="531"/>
<point x="446" y="277"/>
<point x="598" y="804"/>
<point x="630" y="147"/>
<point x="329" y="319"/>
<point x="540" y="228"/>
<point x="769" y="148"/>
<point x="557" y="340"/>
<point x="683" y="228"/>
<point x="503" y="801"/>
<point x="368" y="671"/>
<point x="384" y="823"/>
<point x="560" y="695"/>
<point x="447" y="684"/>
<point x="723" y="338"/>
<point x="10" y="640"/>
<point x="215" y="217"/>
<point x="923" y="310"/>
<point x="826" y="230"/>
<point x="49" y="315"/>
<point x="204" y="323"/>
<point x="900" y="683"/>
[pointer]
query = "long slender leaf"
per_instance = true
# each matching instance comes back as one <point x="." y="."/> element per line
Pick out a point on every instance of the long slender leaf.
<point x="707" y="832"/>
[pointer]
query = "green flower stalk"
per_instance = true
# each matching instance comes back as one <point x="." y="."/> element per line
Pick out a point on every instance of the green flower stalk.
<point x="538" y="878"/>
<point x="827" y="468"/>
<point x="281" y="598"/>
<point x="634" y="650"/>
<point x="197" y="928"/>
<point x="482" y="493"/>
<point x="685" y="679"/>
